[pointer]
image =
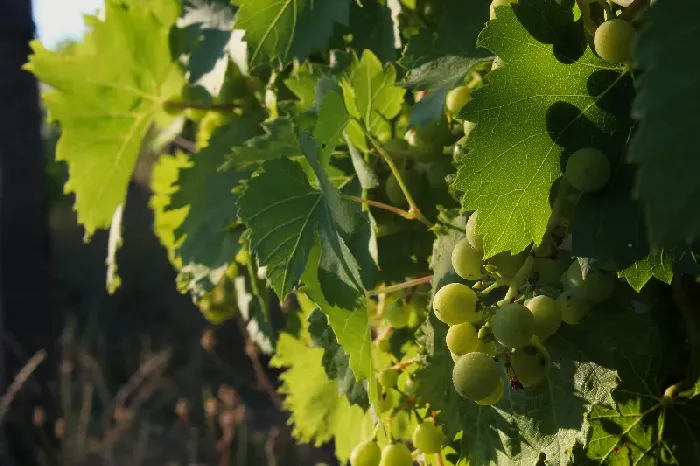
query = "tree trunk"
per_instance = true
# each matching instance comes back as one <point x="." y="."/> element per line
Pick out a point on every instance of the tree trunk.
<point x="26" y="320"/>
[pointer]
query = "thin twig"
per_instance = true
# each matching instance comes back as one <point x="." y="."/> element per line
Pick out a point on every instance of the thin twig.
<point x="185" y="144"/>
<point x="261" y="376"/>
<point x="401" y="286"/>
<point x="19" y="380"/>
<point x="380" y="205"/>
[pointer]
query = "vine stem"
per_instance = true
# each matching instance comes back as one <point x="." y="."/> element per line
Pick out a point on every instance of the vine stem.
<point x="438" y="455"/>
<point x="401" y="286"/>
<point x="175" y="105"/>
<point x="379" y="205"/>
<point x="402" y="365"/>
<point x="526" y="269"/>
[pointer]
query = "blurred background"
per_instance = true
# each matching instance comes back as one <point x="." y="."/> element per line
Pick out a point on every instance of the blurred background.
<point x="135" y="378"/>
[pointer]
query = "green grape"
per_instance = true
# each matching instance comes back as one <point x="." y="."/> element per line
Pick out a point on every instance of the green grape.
<point x="466" y="261"/>
<point x="458" y="98"/>
<point x="549" y="271"/>
<point x="597" y="287"/>
<point x="506" y="265"/>
<point x="588" y="170"/>
<point x="497" y="3"/>
<point x="547" y="314"/>
<point x="398" y="314"/>
<point x="475" y="376"/>
<point x="384" y="342"/>
<point x="393" y="190"/>
<point x="614" y="40"/>
<point x="455" y="303"/>
<point x="461" y="339"/>
<point x="438" y="171"/>
<point x="388" y="378"/>
<point x="410" y="385"/>
<point x="396" y="454"/>
<point x="385" y="401"/>
<point x="436" y="132"/>
<point x="530" y="363"/>
<point x="474" y="239"/>
<point x="422" y="150"/>
<point x="495" y="395"/>
<point x="455" y="357"/>
<point x="513" y="325"/>
<point x="398" y="149"/>
<point x="366" y="454"/>
<point x="486" y="347"/>
<point x="428" y="438"/>
<point x="573" y="310"/>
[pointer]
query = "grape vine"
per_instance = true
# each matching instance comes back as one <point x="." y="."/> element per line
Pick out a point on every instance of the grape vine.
<point x="487" y="212"/>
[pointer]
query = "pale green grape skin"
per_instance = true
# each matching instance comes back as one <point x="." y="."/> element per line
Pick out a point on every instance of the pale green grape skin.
<point x="466" y="260"/>
<point x="428" y="438"/>
<point x="477" y="241"/>
<point x="497" y="3"/>
<point x="388" y="378"/>
<point x="588" y="170"/>
<point x="506" y="265"/>
<point x="396" y="454"/>
<point x="573" y="310"/>
<point x="455" y="303"/>
<point x="530" y="364"/>
<point x="366" y="454"/>
<point x="597" y="287"/>
<point x="397" y="314"/>
<point x="384" y="344"/>
<point x="461" y="339"/>
<point x="385" y="401"/>
<point x="410" y="385"/>
<point x="475" y="376"/>
<point x="513" y="325"/>
<point x="614" y="40"/>
<point x="495" y="395"/>
<point x="549" y="271"/>
<point x="547" y="314"/>
<point x="458" y="98"/>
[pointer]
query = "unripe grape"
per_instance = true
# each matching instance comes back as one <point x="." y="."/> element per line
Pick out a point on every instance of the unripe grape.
<point x="549" y="271"/>
<point x="421" y="149"/>
<point x="475" y="376"/>
<point x="461" y="339"/>
<point x="513" y="325"/>
<point x="530" y="364"/>
<point x="588" y="170"/>
<point x="474" y="239"/>
<point x="410" y="385"/>
<point x="398" y="149"/>
<point x="506" y="265"/>
<point x="457" y="98"/>
<point x="468" y="127"/>
<point x="398" y="314"/>
<point x="466" y="260"/>
<point x="428" y="438"/>
<point x="547" y="314"/>
<point x="396" y="454"/>
<point x="597" y="287"/>
<point x="614" y="40"/>
<point x="455" y="303"/>
<point x="388" y="378"/>
<point x="366" y="454"/>
<point x="495" y="395"/>
<point x="486" y="347"/>
<point x="573" y="310"/>
<point x="497" y="3"/>
<point x="385" y="401"/>
<point x="437" y="172"/>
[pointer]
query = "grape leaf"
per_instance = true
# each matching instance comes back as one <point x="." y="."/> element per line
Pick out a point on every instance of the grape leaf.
<point x="331" y="122"/>
<point x="658" y="265"/>
<point x="453" y="32"/>
<point x="284" y="214"/>
<point x="524" y="125"/>
<point x="370" y="28"/>
<point x="288" y="29"/>
<point x="370" y="93"/>
<point x="335" y="361"/>
<point x="438" y="77"/>
<point x="207" y="237"/>
<point x="254" y="312"/>
<point x="105" y="93"/>
<point x="280" y="140"/>
<point x="665" y="144"/>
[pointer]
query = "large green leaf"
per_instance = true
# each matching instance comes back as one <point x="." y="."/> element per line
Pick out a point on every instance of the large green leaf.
<point x="105" y="92"/>
<point x="370" y="28"/>
<point x="657" y="265"/>
<point x="549" y="99"/>
<point x="665" y="144"/>
<point x="288" y="29"/>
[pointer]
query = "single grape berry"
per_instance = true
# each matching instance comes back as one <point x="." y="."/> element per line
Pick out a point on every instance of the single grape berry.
<point x="596" y="287"/>
<point x="475" y="375"/>
<point x="385" y="401"/>
<point x="366" y="454"/>
<point x="497" y="3"/>
<point x="530" y="363"/>
<point x="396" y="454"/>
<point x="466" y="260"/>
<point x="427" y="437"/>
<point x="506" y="265"/>
<point x="588" y="170"/>
<point x="495" y="395"/>
<point x="477" y="241"/>
<point x="458" y="98"/>
<point x="461" y="339"/>
<point x="455" y="303"/>
<point x="388" y="378"/>
<point x="547" y="314"/>
<point x="398" y="314"/>
<point x="513" y="325"/>
<point x="549" y="271"/>
<point x="614" y="40"/>
<point x="573" y="309"/>
<point x="437" y="172"/>
<point x="410" y="385"/>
